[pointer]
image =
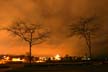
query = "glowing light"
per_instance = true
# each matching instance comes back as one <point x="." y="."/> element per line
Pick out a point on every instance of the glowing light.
<point x="40" y="61"/>
<point x="57" y="57"/>
<point x="7" y="58"/>
<point x="17" y="60"/>
<point x="2" y="62"/>
<point x="43" y="58"/>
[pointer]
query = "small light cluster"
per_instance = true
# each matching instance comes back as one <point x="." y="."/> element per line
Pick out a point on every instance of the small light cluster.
<point x="7" y="59"/>
<point x="44" y="59"/>
<point x="57" y="57"/>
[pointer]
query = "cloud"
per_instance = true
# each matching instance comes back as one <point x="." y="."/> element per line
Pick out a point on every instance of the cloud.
<point x="55" y="14"/>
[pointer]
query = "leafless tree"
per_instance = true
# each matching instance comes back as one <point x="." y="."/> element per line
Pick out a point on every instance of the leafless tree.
<point x="31" y="33"/>
<point x="85" y="28"/>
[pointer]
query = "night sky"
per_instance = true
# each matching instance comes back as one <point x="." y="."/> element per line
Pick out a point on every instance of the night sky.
<point x="54" y="14"/>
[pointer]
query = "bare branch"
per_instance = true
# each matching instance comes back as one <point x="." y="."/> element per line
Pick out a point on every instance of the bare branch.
<point x="85" y="28"/>
<point x="31" y="33"/>
<point x="25" y="30"/>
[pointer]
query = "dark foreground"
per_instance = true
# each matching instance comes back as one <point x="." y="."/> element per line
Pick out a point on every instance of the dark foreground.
<point x="56" y="68"/>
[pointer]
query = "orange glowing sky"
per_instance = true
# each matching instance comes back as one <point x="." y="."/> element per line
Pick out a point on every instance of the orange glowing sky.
<point x="55" y="14"/>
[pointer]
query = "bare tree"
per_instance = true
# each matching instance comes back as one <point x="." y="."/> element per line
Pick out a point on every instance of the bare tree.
<point x="31" y="33"/>
<point x="85" y="28"/>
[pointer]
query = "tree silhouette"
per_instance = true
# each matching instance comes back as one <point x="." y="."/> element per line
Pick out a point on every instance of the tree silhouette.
<point x="31" y="33"/>
<point x="85" y="28"/>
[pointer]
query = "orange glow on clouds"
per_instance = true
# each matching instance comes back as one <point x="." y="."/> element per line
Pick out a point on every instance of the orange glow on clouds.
<point x="51" y="13"/>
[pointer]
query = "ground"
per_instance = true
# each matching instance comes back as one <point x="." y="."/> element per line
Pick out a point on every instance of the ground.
<point x="57" y="68"/>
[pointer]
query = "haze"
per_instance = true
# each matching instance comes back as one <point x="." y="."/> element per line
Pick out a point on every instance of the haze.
<point x="54" y="14"/>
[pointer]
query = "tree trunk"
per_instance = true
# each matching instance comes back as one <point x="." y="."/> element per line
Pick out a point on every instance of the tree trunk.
<point x="88" y="42"/>
<point x="30" y="57"/>
<point x="30" y="44"/>
<point x="89" y="46"/>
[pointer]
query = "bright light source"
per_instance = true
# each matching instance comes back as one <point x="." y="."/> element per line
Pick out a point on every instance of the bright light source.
<point x="57" y="57"/>
<point x="7" y="58"/>
<point x="17" y="59"/>
<point x="40" y="61"/>
<point x="2" y="62"/>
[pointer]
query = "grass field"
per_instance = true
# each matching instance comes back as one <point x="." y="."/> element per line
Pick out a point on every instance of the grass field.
<point x="54" y="68"/>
